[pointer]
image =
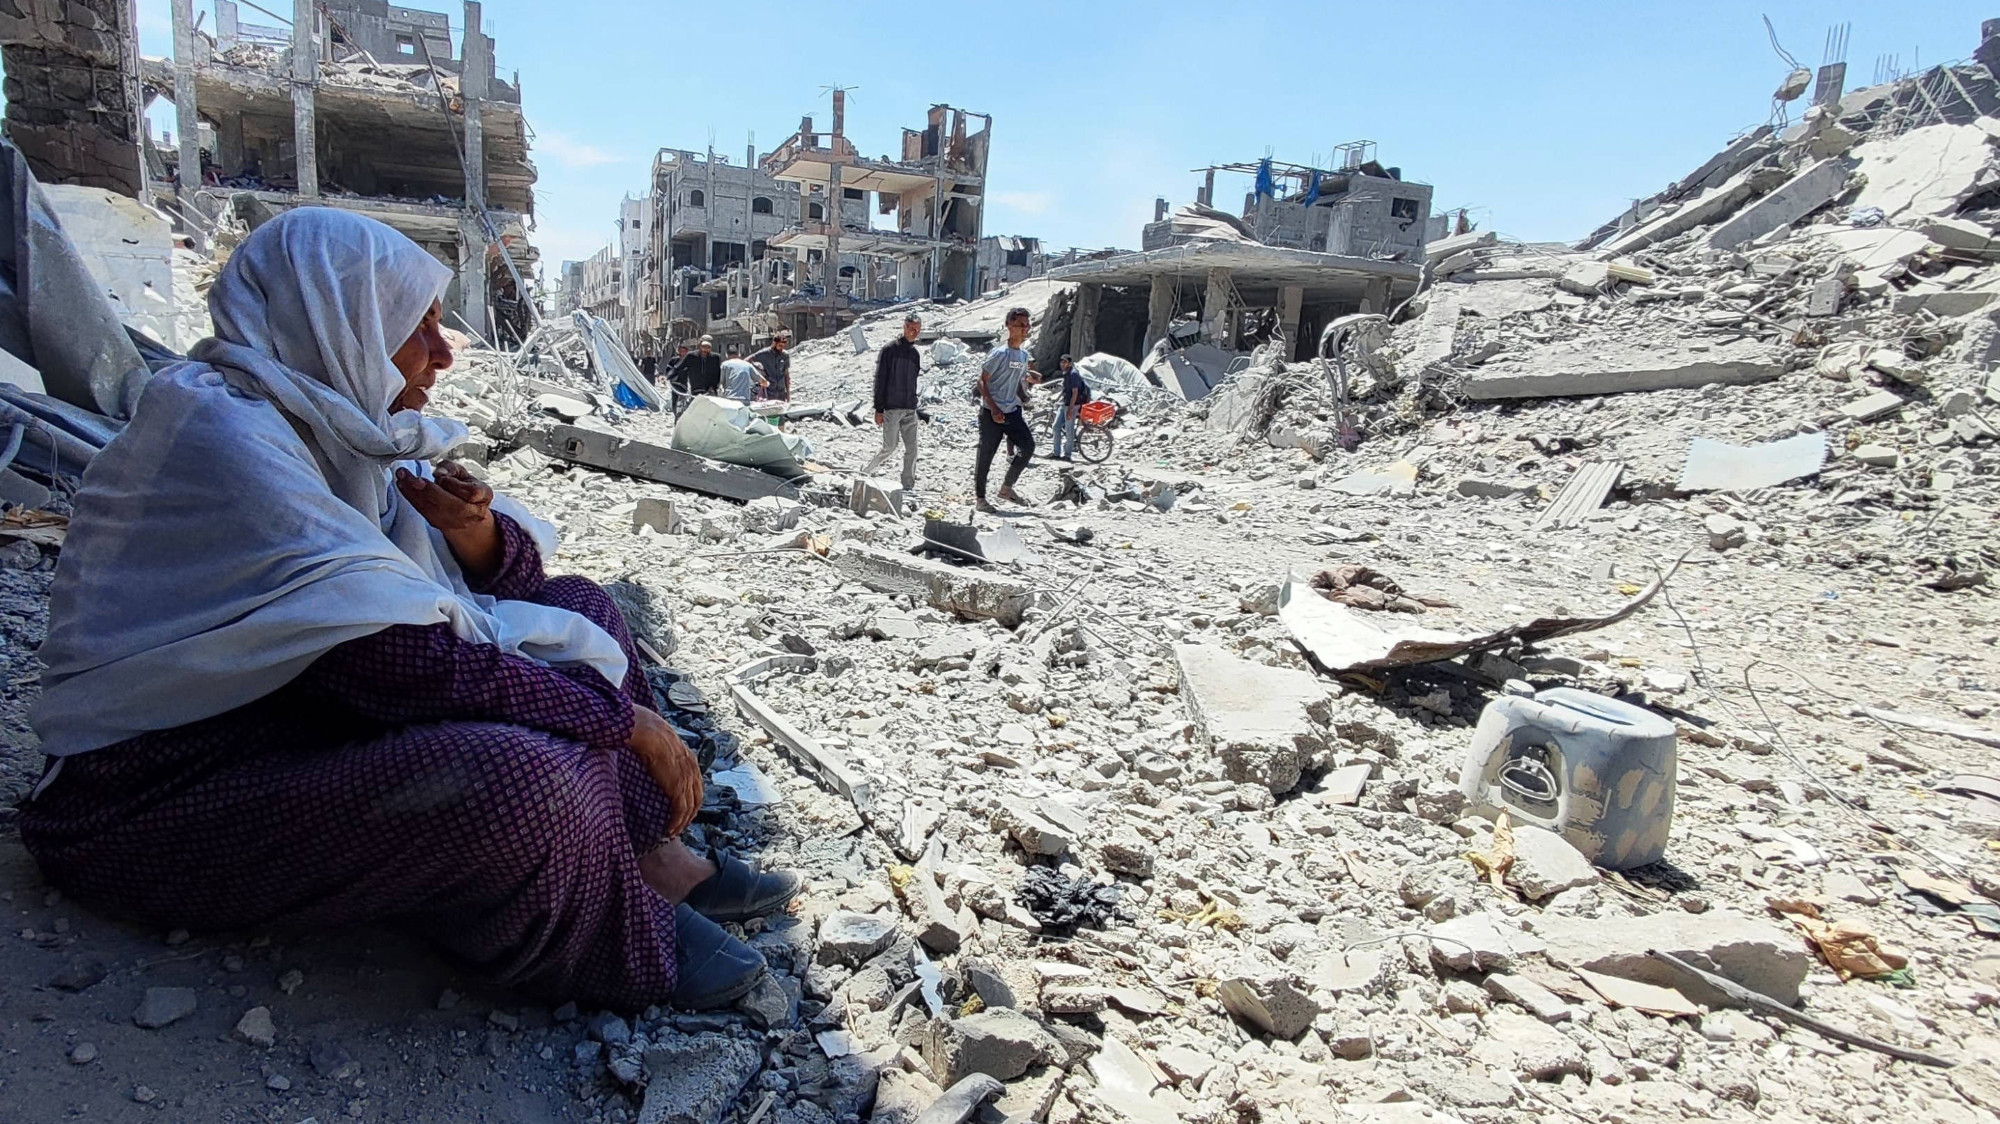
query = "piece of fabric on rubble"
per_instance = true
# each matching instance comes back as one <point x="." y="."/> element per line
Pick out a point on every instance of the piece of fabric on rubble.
<point x="480" y="800"/>
<point x="246" y="521"/>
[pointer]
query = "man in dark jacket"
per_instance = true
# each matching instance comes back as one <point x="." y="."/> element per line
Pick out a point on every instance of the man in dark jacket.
<point x="896" y="370"/>
<point x="775" y="362"/>
<point x="704" y="369"/>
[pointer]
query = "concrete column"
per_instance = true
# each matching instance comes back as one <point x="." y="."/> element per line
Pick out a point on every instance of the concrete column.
<point x="73" y="100"/>
<point x="1083" y="322"/>
<point x="1159" y="306"/>
<point x="305" y="79"/>
<point x="1375" y="297"/>
<point x="1291" y="301"/>
<point x="1215" y="308"/>
<point x="229" y="143"/>
<point x="472" y="275"/>
<point x="186" y="115"/>
<point x="473" y="87"/>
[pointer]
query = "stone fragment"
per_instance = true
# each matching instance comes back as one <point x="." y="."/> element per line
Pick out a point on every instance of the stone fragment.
<point x="1266" y="997"/>
<point x="1880" y="404"/>
<point x="771" y="1004"/>
<point x="1839" y="885"/>
<point x="1494" y="489"/>
<point x="608" y="1028"/>
<point x="1481" y="942"/>
<point x="163" y="1006"/>
<point x="1545" y="864"/>
<point x="959" y="1103"/>
<point x="1185" y="1063"/>
<point x="256" y="1028"/>
<point x="852" y="938"/>
<point x="990" y="982"/>
<point x="83" y="1053"/>
<point x="1351" y="971"/>
<point x="999" y="1043"/>
<point x="1074" y="1001"/>
<point x="1344" y="785"/>
<point x="940" y="928"/>
<point x="1042" y="828"/>
<point x="1881" y="456"/>
<point x="661" y="515"/>
<point x="1755" y="954"/>
<point x="1254" y="715"/>
<point x="1586" y="278"/>
<point x="696" y="1079"/>
<point x="1726" y="531"/>
<point x="1124" y="852"/>
<point x="1528" y="995"/>
<point x="1528" y="1048"/>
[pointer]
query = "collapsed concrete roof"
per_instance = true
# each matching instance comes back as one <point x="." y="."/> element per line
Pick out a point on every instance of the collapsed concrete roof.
<point x="1252" y="266"/>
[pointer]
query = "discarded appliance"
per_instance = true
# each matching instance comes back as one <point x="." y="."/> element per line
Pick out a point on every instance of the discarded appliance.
<point x="726" y="430"/>
<point x="1594" y="770"/>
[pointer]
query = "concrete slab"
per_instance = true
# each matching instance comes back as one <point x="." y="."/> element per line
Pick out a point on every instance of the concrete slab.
<point x="1716" y="466"/>
<point x="953" y="589"/>
<point x="1495" y="300"/>
<point x="1711" y="205"/>
<point x="1576" y="369"/>
<point x="1801" y="196"/>
<point x="1756" y="954"/>
<point x="1923" y="173"/>
<point x="1880" y="404"/>
<point x="1443" y="248"/>
<point x="1253" y="714"/>
<point x="658" y="463"/>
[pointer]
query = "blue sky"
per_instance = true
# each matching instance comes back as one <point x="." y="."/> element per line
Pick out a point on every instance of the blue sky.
<point x="1544" y="119"/>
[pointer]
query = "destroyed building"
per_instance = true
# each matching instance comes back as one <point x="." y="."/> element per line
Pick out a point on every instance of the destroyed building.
<point x="1005" y="259"/>
<point x="1311" y="245"/>
<point x="702" y="216"/>
<point x="367" y="108"/>
<point x="936" y="190"/>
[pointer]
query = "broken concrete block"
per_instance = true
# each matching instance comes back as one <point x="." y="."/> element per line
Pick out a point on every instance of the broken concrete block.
<point x="1002" y="1044"/>
<point x="1254" y="715"/>
<point x="1124" y="852"/>
<point x="1495" y="489"/>
<point x="1956" y="402"/>
<point x="964" y="591"/>
<point x="1586" y="279"/>
<point x="1267" y="997"/>
<point x="1960" y="235"/>
<point x="939" y="927"/>
<point x="1726" y="531"/>
<point x="1824" y="300"/>
<point x="1880" y="404"/>
<point x="1481" y="942"/>
<point x="852" y="938"/>
<point x="1352" y="971"/>
<point x="661" y="515"/>
<point x="1893" y="363"/>
<point x="256" y="1028"/>
<point x="1528" y="1048"/>
<point x="1577" y="368"/>
<point x="1444" y="248"/>
<point x="771" y="514"/>
<point x="1545" y="864"/>
<point x="1041" y="828"/>
<point x="1072" y="1002"/>
<point x="163" y="1006"/>
<point x="1630" y="273"/>
<point x="1881" y="456"/>
<point x="696" y="1079"/>
<point x="962" y="1101"/>
<point x="1760" y="956"/>
<point x="1528" y="995"/>
<point x="1344" y="785"/>
<point x="1800" y="196"/>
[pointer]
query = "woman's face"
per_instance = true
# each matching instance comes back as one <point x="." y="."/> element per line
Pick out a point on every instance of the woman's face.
<point x="419" y="360"/>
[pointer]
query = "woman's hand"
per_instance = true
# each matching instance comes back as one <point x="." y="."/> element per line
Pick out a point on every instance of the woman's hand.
<point x="670" y="763"/>
<point x="461" y="508"/>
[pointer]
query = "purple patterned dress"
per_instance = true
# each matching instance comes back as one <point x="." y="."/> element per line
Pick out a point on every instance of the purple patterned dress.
<point x="478" y="798"/>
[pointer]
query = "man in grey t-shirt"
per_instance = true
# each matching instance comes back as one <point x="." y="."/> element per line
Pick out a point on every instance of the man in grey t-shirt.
<point x="1003" y="380"/>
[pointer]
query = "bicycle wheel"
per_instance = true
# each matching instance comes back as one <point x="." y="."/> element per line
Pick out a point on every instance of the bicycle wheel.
<point x="1093" y="443"/>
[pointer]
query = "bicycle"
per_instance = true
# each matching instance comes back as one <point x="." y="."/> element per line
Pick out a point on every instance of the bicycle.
<point x="1093" y="435"/>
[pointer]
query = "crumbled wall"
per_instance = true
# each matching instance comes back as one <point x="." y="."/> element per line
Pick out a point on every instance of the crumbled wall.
<point x="73" y="91"/>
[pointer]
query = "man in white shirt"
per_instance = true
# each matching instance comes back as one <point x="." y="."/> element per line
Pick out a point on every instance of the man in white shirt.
<point x="740" y="377"/>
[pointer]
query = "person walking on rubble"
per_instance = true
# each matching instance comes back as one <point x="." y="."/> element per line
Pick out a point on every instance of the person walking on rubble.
<point x="740" y="378"/>
<point x="704" y="368"/>
<point x="358" y="698"/>
<point x="1075" y="392"/>
<point x="1003" y="381"/>
<point x="896" y="371"/>
<point x="775" y="362"/>
<point x="674" y="373"/>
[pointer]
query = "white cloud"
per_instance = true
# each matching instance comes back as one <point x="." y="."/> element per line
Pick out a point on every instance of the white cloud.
<point x="574" y="154"/>
<point x="1026" y="202"/>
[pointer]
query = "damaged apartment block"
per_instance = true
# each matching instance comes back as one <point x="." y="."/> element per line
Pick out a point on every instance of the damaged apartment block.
<point x="1311" y="245"/>
<point x="73" y="102"/>
<point x="362" y="106"/>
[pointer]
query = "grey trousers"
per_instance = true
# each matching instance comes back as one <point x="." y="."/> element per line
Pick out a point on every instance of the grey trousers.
<point x="898" y="426"/>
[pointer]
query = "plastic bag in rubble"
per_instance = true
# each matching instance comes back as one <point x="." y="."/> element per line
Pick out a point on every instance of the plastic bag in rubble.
<point x="724" y="429"/>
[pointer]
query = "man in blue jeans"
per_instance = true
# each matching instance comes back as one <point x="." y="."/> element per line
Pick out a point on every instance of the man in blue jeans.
<point x="1075" y="392"/>
<point x="1002" y="382"/>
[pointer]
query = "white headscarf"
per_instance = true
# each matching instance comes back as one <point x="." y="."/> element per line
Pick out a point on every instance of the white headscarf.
<point x="246" y="521"/>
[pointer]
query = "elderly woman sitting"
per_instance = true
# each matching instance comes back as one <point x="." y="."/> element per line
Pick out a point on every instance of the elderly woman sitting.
<point x="296" y="676"/>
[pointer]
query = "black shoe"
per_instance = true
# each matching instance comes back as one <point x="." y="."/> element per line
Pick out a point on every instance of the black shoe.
<point x="716" y="969"/>
<point x="738" y="891"/>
